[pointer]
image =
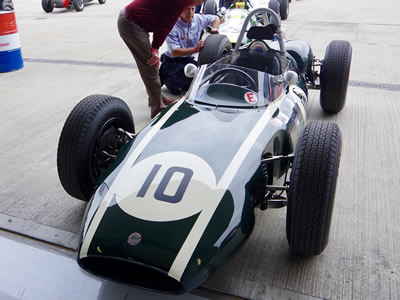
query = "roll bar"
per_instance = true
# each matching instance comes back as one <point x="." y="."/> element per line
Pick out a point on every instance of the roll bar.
<point x="264" y="11"/>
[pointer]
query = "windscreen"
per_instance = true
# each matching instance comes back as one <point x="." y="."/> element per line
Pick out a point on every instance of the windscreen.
<point x="233" y="86"/>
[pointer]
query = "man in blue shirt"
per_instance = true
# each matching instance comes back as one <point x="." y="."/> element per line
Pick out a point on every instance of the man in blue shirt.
<point x="182" y="43"/>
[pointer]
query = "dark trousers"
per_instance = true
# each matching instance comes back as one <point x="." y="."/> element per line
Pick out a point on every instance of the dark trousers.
<point x="138" y="42"/>
<point x="172" y="73"/>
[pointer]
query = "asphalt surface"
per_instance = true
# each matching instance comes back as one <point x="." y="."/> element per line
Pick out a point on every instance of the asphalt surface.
<point x="70" y="55"/>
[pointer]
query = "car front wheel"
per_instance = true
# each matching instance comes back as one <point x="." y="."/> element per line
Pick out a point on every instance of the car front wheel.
<point x="215" y="47"/>
<point x="312" y="188"/>
<point x="90" y="142"/>
<point x="284" y="9"/>
<point x="102" y="1"/>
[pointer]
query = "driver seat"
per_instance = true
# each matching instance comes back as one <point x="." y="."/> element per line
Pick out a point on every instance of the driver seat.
<point x="260" y="58"/>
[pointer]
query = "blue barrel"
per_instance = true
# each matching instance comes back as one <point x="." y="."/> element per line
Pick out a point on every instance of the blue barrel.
<point x="10" y="47"/>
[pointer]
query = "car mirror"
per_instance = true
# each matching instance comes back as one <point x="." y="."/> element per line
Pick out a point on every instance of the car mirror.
<point x="291" y="77"/>
<point x="190" y="70"/>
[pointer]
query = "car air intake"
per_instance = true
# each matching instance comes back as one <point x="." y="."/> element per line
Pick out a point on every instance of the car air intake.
<point x="131" y="273"/>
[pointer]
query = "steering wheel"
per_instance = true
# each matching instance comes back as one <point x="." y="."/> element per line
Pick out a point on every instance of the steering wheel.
<point x="238" y="73"/>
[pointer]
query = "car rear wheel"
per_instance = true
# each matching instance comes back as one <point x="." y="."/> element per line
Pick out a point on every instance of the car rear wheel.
<point x="215" y="47"/>
<point x="90" y="141"/>
<point x="274" y="5"/>
<point x="102" y="1"/>
<point x="284" y="9"/>
<point x="335" y="72"/>
<point x="78" y="5"/>
<point x="210" y="7"/>
<point x="312" y="188"/>
<point x="47" y="6"/>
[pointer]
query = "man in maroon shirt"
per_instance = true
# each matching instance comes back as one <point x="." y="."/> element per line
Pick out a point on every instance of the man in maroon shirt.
<point x="134" y="24"/>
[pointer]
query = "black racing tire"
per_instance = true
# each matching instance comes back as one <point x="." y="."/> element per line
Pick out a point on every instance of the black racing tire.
<point x="210" y="7"/>
<point x="79" y="5"/>
<point x="102" y="1"/>
<point x="312" y="188"/>
<point x="274" y="5"/>
<point x="215" y="47"/>
<point x="335" y="72"/>
<point x="47" y="6"/>
<point x="284" y="9"/>
<point x="91" y="128"/>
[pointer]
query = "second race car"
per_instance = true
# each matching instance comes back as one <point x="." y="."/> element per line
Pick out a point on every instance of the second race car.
<point x="78" y="5"/>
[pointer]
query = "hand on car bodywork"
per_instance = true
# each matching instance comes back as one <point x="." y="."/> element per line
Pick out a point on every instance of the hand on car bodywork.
<point x="154" y="60"/>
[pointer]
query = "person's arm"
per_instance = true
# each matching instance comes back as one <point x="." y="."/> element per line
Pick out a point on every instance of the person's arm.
<point x="173" y="43"/>
<point x="187" y="51"/>
<point x="163" y="29"/>
<point x="210" y="20"/>
<point x="169" y="20"/>
<point x="215" y="25"/>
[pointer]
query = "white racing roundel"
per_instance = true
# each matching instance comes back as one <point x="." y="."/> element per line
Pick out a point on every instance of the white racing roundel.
<point x="251" y="97"/>
<point x="167" y="186"/>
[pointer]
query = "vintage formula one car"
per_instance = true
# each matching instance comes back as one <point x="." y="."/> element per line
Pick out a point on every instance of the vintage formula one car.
<point x="48" y="5"/>
<point x="172" y="203"/>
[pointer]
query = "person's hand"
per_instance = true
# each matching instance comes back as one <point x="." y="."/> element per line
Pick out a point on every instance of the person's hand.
<point x="214" y="30"/>
<point x="199" y="45"/>
<point x="154" y="60"/>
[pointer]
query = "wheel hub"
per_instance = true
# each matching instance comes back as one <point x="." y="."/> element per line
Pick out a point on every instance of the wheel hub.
<point x="107" y="149"/>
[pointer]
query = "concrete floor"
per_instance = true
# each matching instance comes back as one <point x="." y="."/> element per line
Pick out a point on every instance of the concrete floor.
<point x="69" y="55"/>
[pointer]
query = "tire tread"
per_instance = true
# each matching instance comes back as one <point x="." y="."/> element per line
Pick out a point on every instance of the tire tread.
<point x="214" y="45"/>
<point x="71" y="143"/>
<point x="312" y="188"/>
<point x="335" y="76"/>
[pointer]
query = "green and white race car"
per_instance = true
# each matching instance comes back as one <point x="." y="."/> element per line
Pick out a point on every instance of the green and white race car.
<point x="169" y="205"/>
